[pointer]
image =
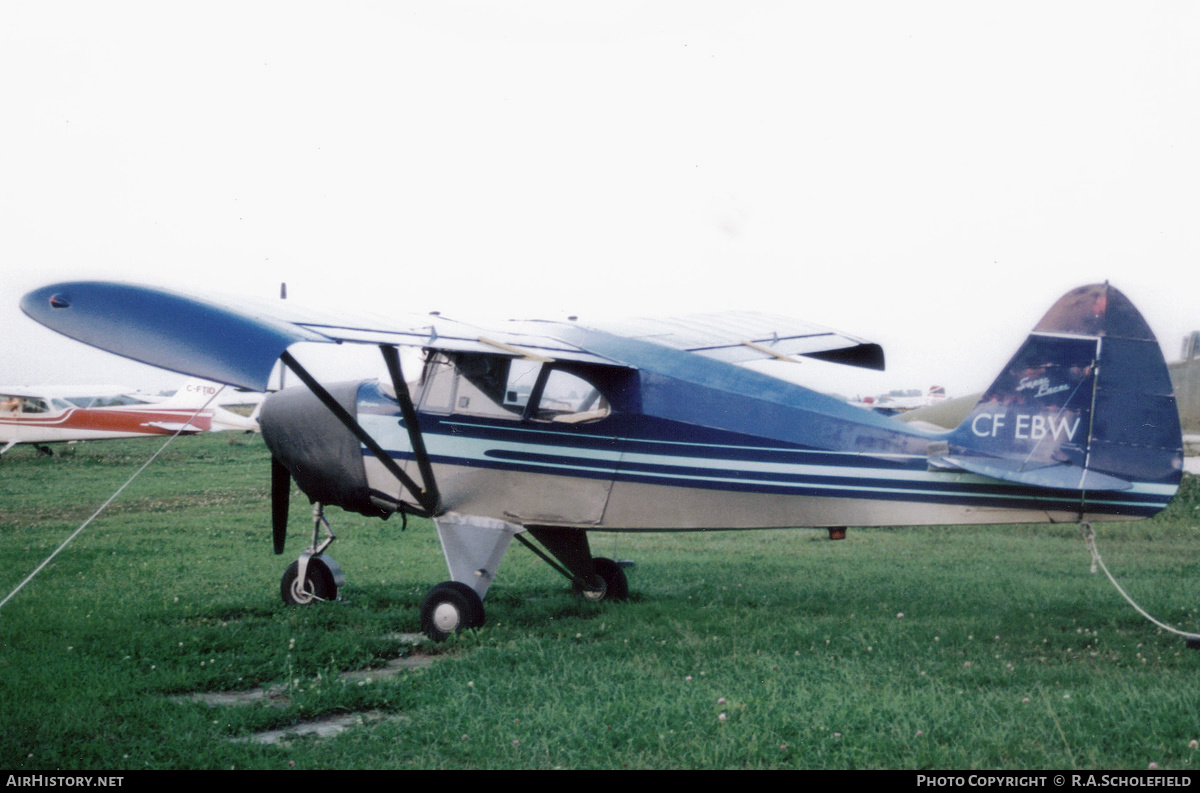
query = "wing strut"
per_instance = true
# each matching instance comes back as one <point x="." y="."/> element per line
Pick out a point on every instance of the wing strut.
<point x="545" y="557"/>
<point x="427" y="498"/>
<point x="430" y="497"/>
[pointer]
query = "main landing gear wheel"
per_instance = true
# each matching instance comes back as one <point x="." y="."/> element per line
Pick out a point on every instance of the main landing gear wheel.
<point x="450" y="607"/>
<point x="614" y="584"/>
<point x="318" y="585"/>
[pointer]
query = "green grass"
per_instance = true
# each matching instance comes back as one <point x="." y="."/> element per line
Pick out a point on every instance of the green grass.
<point x="1010" y="654"/>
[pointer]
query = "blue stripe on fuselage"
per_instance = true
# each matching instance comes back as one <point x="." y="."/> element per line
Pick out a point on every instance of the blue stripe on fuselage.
<point x="718" y="460"/>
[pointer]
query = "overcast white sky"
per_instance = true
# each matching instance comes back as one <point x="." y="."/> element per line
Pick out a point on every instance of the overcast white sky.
<point x="930" y="175"/>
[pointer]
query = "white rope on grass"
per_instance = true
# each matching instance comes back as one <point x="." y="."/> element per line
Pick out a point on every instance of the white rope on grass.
<point x="1089" y="539"/>
<point x="111" y="498"/>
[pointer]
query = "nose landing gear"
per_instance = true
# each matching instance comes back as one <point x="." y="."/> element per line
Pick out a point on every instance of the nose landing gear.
<point x="313" y="577"/>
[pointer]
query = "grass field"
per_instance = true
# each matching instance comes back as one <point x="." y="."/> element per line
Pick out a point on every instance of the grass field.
<point x="933" y="648"/>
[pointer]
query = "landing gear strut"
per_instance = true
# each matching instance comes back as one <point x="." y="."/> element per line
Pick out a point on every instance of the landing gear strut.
<point x="474" y="547"/>
<point x="313" y="577"/>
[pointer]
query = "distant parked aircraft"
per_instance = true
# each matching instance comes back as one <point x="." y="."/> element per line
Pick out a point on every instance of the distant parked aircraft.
<point x="896" y="402"/>
<point x="49" y="414"/>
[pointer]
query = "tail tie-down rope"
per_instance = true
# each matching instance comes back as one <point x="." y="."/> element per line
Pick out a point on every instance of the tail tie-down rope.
<point x="1089" y="539"/>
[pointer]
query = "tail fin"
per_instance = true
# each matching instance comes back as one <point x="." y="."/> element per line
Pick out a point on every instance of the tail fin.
<point x="1086" y="404"/>
<point x="195" y="393"/>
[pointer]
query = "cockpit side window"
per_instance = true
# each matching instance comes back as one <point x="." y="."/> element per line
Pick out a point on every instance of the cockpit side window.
<point x="497" y="386"/>
<point x="438" y="380"/>
<point x="33" y="405"/>
<point x="485" y="385"/>
<point x="568" y="398"/>
<point x="118" y="400"/>
<point x="473" y="385"/>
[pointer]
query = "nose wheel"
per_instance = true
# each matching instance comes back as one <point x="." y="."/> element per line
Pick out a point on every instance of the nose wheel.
<point x="319" y="581"/>
<point x="313" y="577"/>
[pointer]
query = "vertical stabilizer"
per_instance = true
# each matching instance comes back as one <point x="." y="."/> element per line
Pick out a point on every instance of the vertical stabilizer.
<point x="195" y="393"/>
<point x="1085" y="404"/>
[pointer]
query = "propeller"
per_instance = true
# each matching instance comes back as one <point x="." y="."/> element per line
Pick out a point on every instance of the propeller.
<point x="281" y="488"/>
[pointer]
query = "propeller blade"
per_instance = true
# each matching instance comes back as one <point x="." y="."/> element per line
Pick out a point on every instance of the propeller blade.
<point x="281" y="488"/>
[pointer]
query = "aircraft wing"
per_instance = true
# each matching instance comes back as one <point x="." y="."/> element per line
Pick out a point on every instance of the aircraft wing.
<point x="733" y="336"/>
<point x="433" y="331"/>
<point x="238" y="342"/>
<point x="743" y="336"/>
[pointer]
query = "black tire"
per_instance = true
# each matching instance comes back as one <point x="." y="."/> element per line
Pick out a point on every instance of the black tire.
<point x="450" y="607"/>
<point x="319" y="586"/>
<point x="616" y="585"/>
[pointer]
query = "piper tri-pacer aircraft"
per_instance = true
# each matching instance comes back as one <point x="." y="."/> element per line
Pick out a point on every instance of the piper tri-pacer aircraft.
<point x="543" y="431"/>
<point x="49" y="414"/>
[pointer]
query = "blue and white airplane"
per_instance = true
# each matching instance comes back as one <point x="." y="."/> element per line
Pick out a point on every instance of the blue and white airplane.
<point x="544" y="431"/>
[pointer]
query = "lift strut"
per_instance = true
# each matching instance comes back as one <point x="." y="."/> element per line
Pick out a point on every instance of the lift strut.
<point x="427" y="497"/>
<point x="416" y="438"/>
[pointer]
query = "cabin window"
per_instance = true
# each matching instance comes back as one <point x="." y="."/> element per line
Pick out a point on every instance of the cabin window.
<point x="33" y="405"/>
<point x="522" y="377"/>
<point x="485" y="383"/>
<point x="570" y="399"/>
<point x="473" y="385"/>
<point x="495" y="386"/>
<point x="437" y="385"/>
<point x="117" y="400"/>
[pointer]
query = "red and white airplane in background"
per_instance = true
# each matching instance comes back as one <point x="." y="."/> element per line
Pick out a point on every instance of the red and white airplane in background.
<point x="48" y="414"/>
<point x="896" y="402"/>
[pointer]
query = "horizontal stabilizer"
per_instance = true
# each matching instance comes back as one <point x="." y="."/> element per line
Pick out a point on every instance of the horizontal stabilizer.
<point x="183" y="427"/>
<point x="1059" y="476"/>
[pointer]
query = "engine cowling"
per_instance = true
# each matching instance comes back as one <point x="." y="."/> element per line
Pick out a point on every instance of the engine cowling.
<point x="322" y="454"/>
